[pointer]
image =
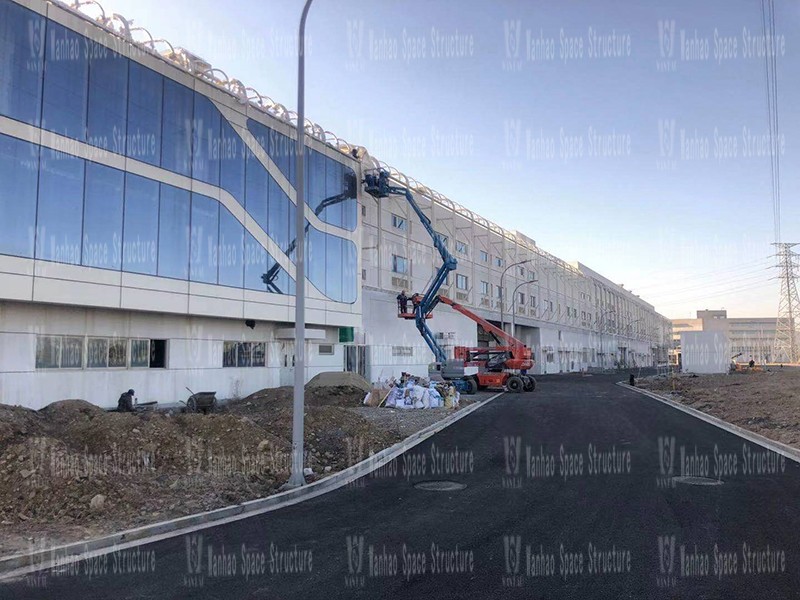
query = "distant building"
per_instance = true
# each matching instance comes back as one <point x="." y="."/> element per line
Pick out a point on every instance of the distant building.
<point x="750" y="338"/>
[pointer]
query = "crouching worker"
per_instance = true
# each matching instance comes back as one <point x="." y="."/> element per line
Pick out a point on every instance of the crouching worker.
<point x="125" y="402"/>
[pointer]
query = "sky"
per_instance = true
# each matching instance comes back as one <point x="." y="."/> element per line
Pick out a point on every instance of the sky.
<point x="627" y="136"/>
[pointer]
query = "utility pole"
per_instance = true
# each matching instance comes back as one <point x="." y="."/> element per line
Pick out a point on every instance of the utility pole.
<point x="786" y="342"/>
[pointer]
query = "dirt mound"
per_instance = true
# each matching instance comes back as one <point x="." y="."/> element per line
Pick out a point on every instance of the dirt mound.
<point x="763" y="402"/>
<point x="284" y="397"/>
<point x="17" y="423"/>
<point x="344" y="379"/>
<point x="159" y="465"/>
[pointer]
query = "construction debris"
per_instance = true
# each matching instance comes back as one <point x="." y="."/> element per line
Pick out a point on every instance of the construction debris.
<point x="412" y="392"/>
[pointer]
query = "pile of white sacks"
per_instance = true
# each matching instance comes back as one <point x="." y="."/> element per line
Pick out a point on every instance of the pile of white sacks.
<point x="416" y="394"/>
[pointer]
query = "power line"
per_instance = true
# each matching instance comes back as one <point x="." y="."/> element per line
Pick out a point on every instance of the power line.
<point x="748" y="287"/>
<point x="755" y="275"/>
<point x="728" y="270"/>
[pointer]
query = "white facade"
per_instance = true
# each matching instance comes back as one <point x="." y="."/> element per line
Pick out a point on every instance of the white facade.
<point x="705" y="351"/>
<point x="572" y="317"/>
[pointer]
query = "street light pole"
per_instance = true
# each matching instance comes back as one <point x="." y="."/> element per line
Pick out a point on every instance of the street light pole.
<point x="502" y="289"/>
<point x="297" y="478"/>
<point x="514" y="308"/>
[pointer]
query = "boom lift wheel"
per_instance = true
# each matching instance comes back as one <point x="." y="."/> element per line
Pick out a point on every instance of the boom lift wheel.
<point x="472" y="386"/>
<point x="514" y="384"/>
<point x="529" y="383"/>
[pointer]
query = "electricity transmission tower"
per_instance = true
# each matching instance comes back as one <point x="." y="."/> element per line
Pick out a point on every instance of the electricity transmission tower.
<point x="786" y="338"/>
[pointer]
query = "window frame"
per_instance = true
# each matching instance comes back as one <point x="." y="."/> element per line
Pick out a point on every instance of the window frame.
<point x="400" y="223"/>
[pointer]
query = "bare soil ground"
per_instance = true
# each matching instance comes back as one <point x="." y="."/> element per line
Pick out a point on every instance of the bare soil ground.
<point x="767" y="403"/>
<point x="73" y="471"/>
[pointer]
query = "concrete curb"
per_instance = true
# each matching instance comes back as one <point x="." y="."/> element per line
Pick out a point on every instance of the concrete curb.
<point x="777" y="447"/>
<point x="17" y="565"/>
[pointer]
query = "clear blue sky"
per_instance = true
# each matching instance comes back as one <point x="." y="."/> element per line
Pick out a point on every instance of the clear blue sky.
<point x="620" y="134"/>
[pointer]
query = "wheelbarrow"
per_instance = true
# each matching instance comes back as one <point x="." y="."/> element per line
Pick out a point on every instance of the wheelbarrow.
<point x="204" y="402"/>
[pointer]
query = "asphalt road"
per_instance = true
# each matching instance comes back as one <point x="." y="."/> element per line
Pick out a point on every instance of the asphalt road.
<point x="570" y="493"/>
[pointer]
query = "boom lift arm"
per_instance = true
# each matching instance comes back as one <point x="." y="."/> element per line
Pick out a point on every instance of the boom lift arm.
<point x="377" y="185"/>
<point x="498" y="333"/>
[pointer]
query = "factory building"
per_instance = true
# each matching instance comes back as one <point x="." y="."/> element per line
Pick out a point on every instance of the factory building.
<point x="148" y="218"/>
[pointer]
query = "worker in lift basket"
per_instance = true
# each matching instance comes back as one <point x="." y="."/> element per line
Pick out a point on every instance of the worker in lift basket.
<point x="402" y="302"/>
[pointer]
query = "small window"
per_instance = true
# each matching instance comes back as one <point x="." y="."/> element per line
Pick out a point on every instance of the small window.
<point x="59" y="352"/>
<point x="499" y="292"/>
<point x="363" y="210"/>
<point x="461" y="247"/>
<point x="399" y="222"/>
<point x="140" y="353"/>
<point x="498" y="261"/>
<point x="521" y="298"/>
<point x="259" y="354"/>
<point x="325" y="349"/>
<point x="484" y="256"/>
<point x="521" y="271"/>
<point x="117" y="353"/>
<point x="486" y="289"/>
<point x="462" y="282"/>
<point x="48" y="352"/>
<point x="97" y="353"/>
<point x="244" y="355"/>
<point x="402" y="351"/>
<point x="158" y="354"/>
<point x="399" y="264"/>
<point x="533" y="301"/>
<point x="531" y="275"/>
<point x="363" y="274"/>
<point x="229" y="354"/>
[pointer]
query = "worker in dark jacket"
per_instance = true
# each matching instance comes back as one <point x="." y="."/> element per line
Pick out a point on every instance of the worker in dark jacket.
<point x="402" y="302"/>
<point x="125" y="402"/>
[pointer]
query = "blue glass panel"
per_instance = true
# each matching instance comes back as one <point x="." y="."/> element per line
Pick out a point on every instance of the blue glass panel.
<point x="231" y="240"/>
<point x="108" y="99"/>
<point x="145" y="91"/>
<point x="22" y="39"/>
<point x="278" y="150"/>
<point x="66" y="82"/>
<point x="59" y="220"/>
<point x="279" y="215"/>
<point x="315" y="258"/>
<point x="19" y="173"/>
<point x="316" y="181"/>
<point x="263" y="135"/>
<point x="173" y="239"/>
<point x="350" y="276"/>
<point x="283" y="283"/>
<point x="140" y="232"/>
<point x="176" y="133"/>
<point x="205" y="140"/>
<point x="350" y="206"/>
<point x="334" y="192"/>
<point x="102" y="217"/>
<point x="257" y="191"/>
<point x="232" y="163"/>
<point x="292" y="209"/>
<point x="333" y="267"/>
<point x="205" y="239"/>
<point x="255" y="263"/>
